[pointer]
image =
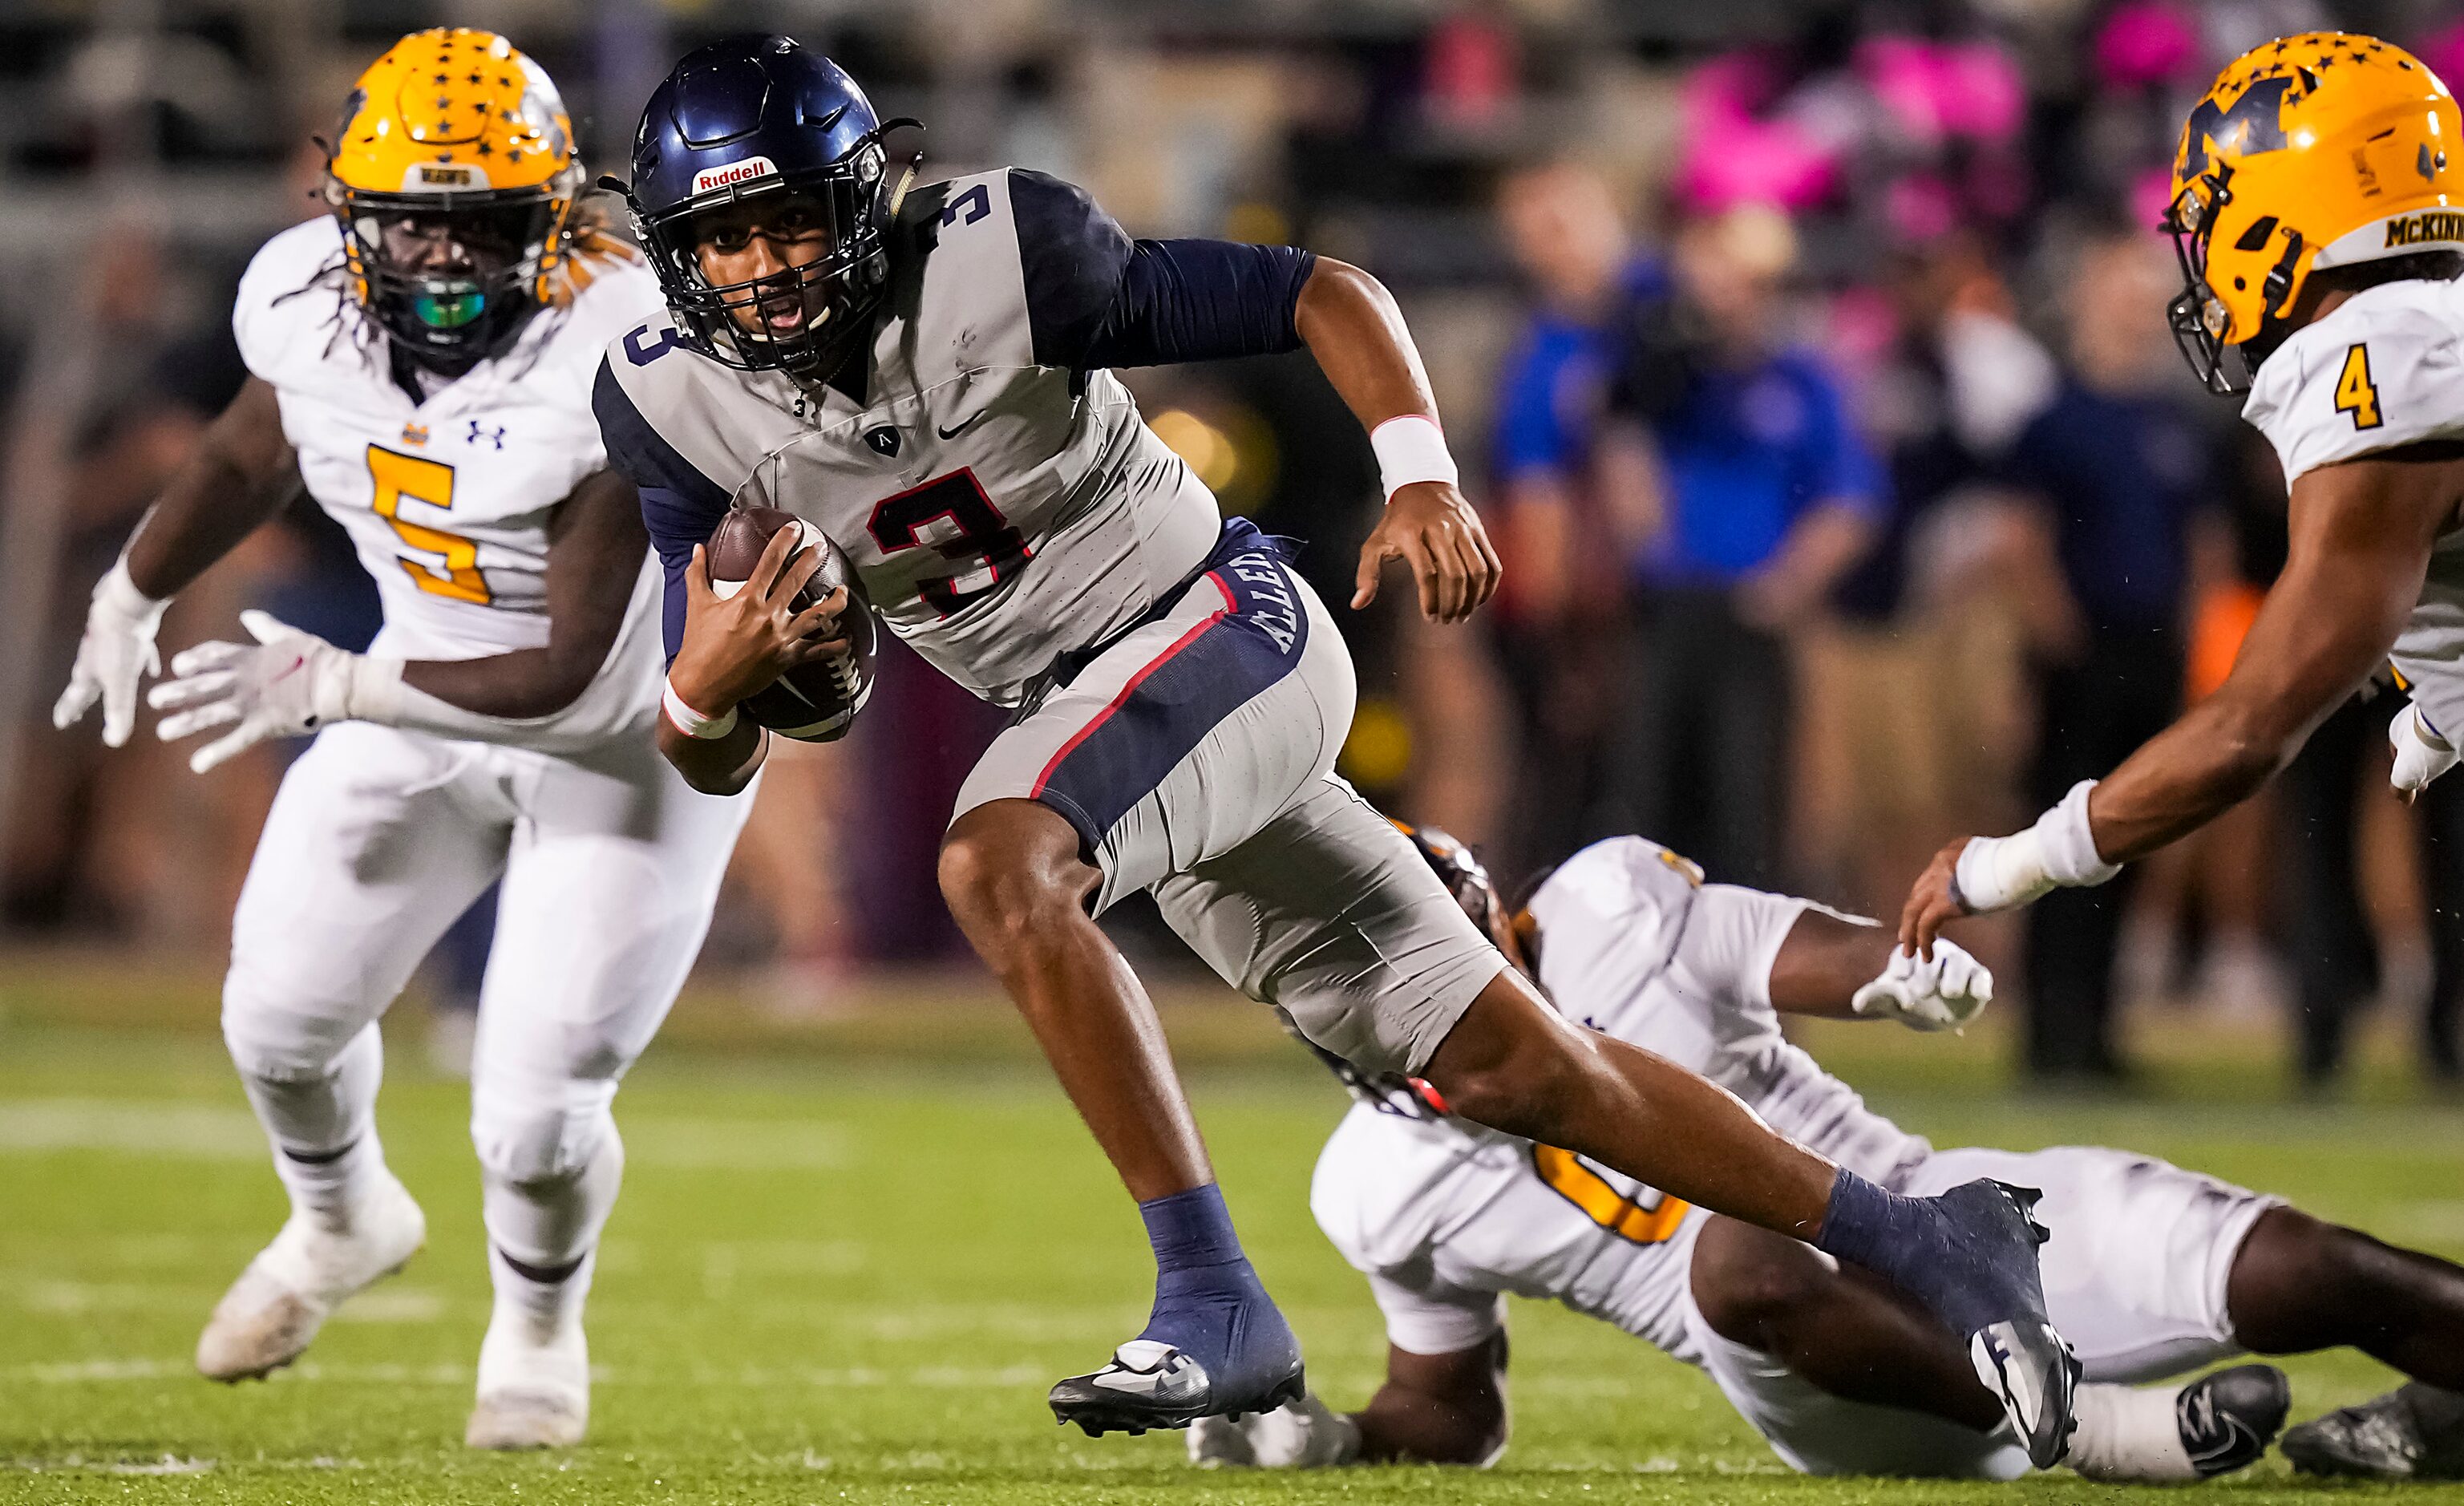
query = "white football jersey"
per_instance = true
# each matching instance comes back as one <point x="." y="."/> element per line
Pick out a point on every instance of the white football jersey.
<point x="2385" y="368"/>
<point x="1444" y="1215"/>
<point x="448" y="500"/>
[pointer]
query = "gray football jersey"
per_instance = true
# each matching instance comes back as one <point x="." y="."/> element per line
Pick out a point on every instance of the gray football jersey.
<point x="998" y="512"/>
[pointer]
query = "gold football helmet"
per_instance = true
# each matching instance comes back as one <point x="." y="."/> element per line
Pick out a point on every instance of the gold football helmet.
<point x="453" y="175"/>
<point x="2319" y="150"/>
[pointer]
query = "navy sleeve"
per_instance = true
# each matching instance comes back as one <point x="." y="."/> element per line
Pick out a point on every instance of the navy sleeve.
<point x="1095" y="297"/>
<point x="681" y="506"/>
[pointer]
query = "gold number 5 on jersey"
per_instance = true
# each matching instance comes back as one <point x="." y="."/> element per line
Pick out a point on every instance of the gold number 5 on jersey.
<point x="430" y="481"/>
<point x="2355" y="393"/>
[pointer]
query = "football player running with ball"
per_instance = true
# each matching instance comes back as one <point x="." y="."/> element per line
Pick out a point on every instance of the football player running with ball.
<point x="923" y="376"/>
<point x="425" y="354"/>
<point x="2317" y="209"/>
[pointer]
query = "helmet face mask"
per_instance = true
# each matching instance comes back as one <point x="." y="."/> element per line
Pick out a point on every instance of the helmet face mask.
<point x="2199" y="320"/>
<point x="451" y="279"/>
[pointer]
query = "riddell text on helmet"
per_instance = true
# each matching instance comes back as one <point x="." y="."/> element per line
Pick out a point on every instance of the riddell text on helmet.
<point x="734" y="172"/>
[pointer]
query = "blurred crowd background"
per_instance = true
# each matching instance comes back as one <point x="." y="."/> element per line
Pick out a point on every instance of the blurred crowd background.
<point x="1807" y="360"/>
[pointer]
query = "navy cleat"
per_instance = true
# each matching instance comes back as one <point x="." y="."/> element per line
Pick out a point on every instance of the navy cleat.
<point x="2011" y="1341"/>
<point x="1149" y="1383"/>
<point x="1216" y="1346"/>
<point x="1969" y="1257"/>
<point x="2228" y="1418"/>
<point x="2413" y="1432"/>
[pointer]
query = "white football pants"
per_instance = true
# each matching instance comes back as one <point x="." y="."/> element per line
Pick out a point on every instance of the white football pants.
<point x="379" y="839"/>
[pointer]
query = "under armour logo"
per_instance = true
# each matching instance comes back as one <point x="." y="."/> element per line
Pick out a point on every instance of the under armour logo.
<point x="884" y="440"/>
<point x="496" y="437"/>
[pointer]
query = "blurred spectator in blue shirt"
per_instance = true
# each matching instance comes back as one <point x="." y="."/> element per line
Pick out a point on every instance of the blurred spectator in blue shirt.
<point x="1557" y="616"/>
<point x="1766" y="495"/>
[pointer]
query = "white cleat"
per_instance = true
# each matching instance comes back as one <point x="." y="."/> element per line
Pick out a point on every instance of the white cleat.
<point x="273" y="1310"/>
<point x="532" y="1395"/>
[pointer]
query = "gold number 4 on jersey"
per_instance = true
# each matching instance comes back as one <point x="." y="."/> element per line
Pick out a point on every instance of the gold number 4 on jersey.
<point x="430" y="481"/>
<point x="2355" y="393"/>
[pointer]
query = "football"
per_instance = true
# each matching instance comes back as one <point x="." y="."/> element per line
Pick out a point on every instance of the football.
<point x="817" y="701"/>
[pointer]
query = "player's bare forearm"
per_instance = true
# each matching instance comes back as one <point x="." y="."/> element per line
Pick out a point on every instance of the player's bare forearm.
<point x="1438" y="1409"/>
<point x="1354" y="328"/>
<point x="1351" y="324"/>
<point x="596" y="545"/>
<point x="717" y="766"/>
<point x="237" y="480"/>
<point x="2361" y="533"/>
<point x="1824" y="962"/>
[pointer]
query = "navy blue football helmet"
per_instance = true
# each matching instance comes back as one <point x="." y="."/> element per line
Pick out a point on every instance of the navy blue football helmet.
<point x="757" y="133"/>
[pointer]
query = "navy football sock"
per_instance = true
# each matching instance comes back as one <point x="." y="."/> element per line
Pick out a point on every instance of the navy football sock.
<point x="1955" y="1265"/>
<point x="1209" y="1303"/>
<point x="1191" y="1229"/>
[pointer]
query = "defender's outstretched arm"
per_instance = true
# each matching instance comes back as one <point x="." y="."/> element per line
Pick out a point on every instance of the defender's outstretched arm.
<point x="2361" y="533"/>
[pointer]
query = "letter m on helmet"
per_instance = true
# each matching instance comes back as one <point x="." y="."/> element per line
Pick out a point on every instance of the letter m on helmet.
<point x="2254" y="124"/>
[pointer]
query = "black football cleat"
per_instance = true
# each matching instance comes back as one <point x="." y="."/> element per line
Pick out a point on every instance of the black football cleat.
<point x="2013" y="1344"/>
<point x="1149" y="1383"/>
<point x="2228" y="1418"/>
<point x="2413" y="1432"/>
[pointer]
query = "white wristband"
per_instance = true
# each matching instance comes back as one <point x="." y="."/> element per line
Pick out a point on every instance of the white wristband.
<point x="1997" y="872"/>
<point x="118" y="593"/>
<point x="1411" y="447"/>
<point x="2070" y="857"/>
<point x="691" y="723"/>
<point x="372" y="689"/>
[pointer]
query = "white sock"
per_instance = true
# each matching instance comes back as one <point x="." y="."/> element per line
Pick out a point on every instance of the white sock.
<point x="324" y="1131"/>
<point x="540" y="1312"/>
<point x="553" y="1221"/>
<point x="2126" y="1433"/>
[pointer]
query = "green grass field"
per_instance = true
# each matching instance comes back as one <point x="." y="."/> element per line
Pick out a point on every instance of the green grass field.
<point x="852" y="1256"/>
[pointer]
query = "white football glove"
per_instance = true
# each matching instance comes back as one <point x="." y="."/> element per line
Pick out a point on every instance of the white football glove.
<point x="116" y="652"/>
<point x="1940" y="993"/>
<point x="1305" y="1434"/>
<point x="286" y="684"/>
<point x="2421" y="754"/>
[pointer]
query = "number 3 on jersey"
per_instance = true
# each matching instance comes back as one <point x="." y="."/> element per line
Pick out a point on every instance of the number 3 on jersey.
<point x="2355" y="393"/>
<point x="430" y="481"/>
<point x="951" y="514"/>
